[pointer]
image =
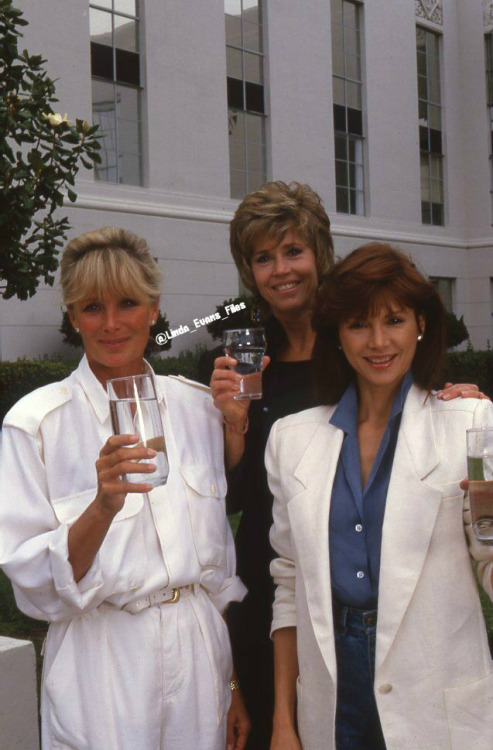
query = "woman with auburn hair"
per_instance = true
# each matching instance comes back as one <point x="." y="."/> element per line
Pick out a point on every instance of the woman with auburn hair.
<point x="281" y="242"/>
<point x="132" y="579"/>
<point x="378" y="631"/>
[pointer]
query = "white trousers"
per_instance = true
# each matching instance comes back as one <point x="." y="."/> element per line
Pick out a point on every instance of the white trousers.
<point x="158" y="680"/>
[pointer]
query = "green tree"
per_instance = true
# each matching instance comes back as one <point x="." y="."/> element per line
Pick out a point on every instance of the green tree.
<point x="40" y="153"/>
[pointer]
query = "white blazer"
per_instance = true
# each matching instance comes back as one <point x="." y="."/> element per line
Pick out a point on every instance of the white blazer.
<point x="433" y="671"/>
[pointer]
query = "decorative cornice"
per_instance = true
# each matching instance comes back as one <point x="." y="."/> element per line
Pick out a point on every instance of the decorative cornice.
<point x="488" y="12"/>
<point x="430" y="10"/>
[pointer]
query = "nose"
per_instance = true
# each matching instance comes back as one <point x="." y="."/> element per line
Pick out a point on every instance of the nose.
<point x="378" y="337"/>
<point x="111" y="321"/>
<point x="281" y="265"/>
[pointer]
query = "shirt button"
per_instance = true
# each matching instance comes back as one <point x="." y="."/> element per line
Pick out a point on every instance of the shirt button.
<point x="360" y="574"/>
<point x="385" y="688"/>
<point x="358" y="527"/>
<point x="213" y="488"/>
<point x="266" y="408"/>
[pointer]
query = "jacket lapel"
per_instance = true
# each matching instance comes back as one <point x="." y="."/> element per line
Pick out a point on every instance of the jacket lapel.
<point x="309" y="517"/>
<point x="410" y="516"/>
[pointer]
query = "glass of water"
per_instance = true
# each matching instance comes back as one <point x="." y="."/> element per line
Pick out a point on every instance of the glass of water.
<point x="480" y="475"/>
<point x="135" y="411"/>
<point x="247" y="346"/>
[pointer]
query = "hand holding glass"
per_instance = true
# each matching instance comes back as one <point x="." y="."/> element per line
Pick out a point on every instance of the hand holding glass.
<point x="480" y="475"/>
<point x="247" y="346"/>
<point x="135" y="411"/>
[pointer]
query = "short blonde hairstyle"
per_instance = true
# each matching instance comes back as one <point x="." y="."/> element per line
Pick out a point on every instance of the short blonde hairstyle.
<point x="271" y="211"/>
<point x="108" y="260"/>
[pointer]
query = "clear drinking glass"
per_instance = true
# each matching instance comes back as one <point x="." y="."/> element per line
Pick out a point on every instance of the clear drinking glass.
<point x="135" y="411"/>
<point x="247" y="345"/>
<point x="480" y="475"/>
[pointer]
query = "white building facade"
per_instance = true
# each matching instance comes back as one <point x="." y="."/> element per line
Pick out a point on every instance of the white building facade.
<point x="382" y="107"/>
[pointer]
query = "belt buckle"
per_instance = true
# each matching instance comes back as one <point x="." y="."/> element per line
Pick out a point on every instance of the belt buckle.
<point x="175" y="597"/>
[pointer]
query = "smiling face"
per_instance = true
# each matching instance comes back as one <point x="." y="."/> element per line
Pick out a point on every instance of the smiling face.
<point x="115" y="331"/>
<point x="380" y="348"/>
<point x="285" y="274"/>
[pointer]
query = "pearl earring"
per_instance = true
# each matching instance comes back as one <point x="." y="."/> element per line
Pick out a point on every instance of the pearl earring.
<point x="420" y="337"/>
<point x="153" y="322"/>
<point x="76" y="330"/>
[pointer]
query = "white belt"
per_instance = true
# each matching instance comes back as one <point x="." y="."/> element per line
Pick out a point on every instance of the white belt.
<point x="163" y="596"/>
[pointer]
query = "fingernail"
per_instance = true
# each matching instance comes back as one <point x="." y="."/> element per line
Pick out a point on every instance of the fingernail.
<point x="151" y="452"/>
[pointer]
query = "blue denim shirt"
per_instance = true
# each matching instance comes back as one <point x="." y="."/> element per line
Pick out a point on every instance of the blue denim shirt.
<point x="356" y="512"/>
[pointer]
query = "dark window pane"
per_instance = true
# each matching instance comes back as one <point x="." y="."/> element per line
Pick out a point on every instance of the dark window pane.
<point x="339" y="118"/>
<point x="235" y="93"/>
<point x="341" y="148"/>
<point x="437" y="214"/>
<point x="341" y="174"/>
<point x="353" y="202"/>
<point x="342" y="201"/>
<point x="425" y="213"/>
<point x="127" y="67"/>
<point x="355" y="121"/>
<point x="435" y="141"/>
<point x="101" y="61"/>
<point x="254" y="97"/>
<point x="423" y="139"/>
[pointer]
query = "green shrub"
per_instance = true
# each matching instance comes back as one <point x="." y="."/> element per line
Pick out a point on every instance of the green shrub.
<point x="456" y="330"/>
<point x="471" y="367"/>
<point x="21" y="377"/>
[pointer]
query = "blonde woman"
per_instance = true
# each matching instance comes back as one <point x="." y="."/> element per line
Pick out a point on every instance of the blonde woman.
<point x="133" y="580"/>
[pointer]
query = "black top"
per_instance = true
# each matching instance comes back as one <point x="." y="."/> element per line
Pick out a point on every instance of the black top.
<point x="287" y="389"/>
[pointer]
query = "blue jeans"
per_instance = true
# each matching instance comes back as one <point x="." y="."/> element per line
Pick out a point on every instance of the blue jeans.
<point x="357" y="721"/>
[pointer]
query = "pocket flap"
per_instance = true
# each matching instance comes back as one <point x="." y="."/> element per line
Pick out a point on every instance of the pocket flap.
<point x="206" y="480"/>
<point x="69" y="508"/>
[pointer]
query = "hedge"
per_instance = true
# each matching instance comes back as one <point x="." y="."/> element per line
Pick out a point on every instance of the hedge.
<point x="21" y="377"/>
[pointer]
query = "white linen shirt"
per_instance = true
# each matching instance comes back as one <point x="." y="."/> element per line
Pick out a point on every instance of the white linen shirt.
<point x="174" y="536"/>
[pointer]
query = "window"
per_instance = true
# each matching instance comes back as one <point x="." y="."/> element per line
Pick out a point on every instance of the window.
<point x="246" y="101"/>
<point x="116" y="92"/>
<point x="445" y="288"/>
<point x="348" y="106"/>
<point x="430" y="127"/>
<point x="489" y="99"/>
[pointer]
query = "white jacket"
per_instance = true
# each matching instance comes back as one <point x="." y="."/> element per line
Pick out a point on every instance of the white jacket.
<point x="175" y="536"/>
<point x="433" y="672"/>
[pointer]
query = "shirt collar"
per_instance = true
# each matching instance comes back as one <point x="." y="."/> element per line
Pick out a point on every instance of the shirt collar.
<point x="346" y="413"/>
<point x="96" y="394"/>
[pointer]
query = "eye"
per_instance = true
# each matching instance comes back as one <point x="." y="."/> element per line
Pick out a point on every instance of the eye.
<point x="91" y="307"/>
<point x="356" y="325"/>
<point x="129" y="303"/>
<point x="395" y="320"/>
<point x="261" y="258"/>
<point x="293" y="251"/>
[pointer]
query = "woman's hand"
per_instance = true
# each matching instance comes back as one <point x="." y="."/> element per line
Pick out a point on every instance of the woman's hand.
<point x="87" y="534"/>
<point x="238" y="727"/>
<point x="460" y="390"/>
<point x="115" y="460"/>
<point x="225" y="384"/>
<point x="285" y="739"/>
